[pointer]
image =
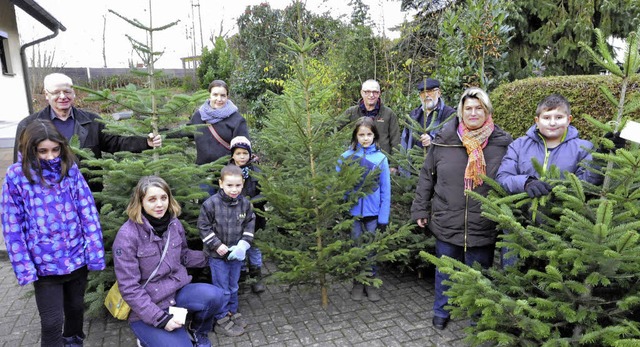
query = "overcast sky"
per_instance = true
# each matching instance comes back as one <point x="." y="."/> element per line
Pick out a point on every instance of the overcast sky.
<point x="81" y="44"/>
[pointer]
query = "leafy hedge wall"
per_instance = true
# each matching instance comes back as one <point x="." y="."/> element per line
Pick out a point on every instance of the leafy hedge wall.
<point x="515" y="103"/>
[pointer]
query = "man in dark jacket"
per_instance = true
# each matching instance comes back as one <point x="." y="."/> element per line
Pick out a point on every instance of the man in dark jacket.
<point x="70" y="121"/>
<point x="371" y="106"/>
<point x="431" y="114"/>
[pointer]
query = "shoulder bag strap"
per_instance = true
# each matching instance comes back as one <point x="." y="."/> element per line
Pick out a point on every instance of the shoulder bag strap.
<point x="220" y="140"/>
<point x="164" y="252"/>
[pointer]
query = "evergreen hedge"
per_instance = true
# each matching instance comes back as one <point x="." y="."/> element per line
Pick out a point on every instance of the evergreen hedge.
<point x="515" y="103"/>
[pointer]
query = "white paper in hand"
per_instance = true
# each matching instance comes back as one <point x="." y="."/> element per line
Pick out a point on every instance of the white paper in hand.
<point x="179" y="314"/>
<point x="631" y="131"/>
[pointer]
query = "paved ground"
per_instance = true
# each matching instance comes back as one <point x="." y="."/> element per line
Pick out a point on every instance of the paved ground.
<point x="277" y="318"/>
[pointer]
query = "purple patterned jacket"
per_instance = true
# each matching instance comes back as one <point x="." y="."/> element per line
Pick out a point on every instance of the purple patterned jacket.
<point x="50" y="230"/>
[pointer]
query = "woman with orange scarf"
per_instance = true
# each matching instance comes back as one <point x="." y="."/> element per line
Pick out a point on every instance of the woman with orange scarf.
<point x="466" y="148"/>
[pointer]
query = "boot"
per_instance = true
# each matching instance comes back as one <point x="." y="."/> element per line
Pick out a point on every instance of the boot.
<point x="357" y="291"/>
<point x="72" y="341"/>
<point x="255" y="272"/>
<point x="372" y="293"/>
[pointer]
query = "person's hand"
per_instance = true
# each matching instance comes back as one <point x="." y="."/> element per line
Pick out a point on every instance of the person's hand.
<point x="425" y="139"/>
<point x="222" y="250"/>
<point x="536" y="188"/>
<point x="154" y="141"/>
<point x="422" y="222"/>
<point x="172" y="325"/>
<point x="393" y="171"/>
<point x="618" y="142"/>
<point x="239" y="251"/>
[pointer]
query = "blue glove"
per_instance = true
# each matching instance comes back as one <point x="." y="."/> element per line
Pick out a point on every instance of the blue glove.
<point x="238" y="251"/>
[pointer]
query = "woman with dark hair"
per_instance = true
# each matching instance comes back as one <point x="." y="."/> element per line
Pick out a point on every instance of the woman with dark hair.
<point x="52" y="230"/>
<point x="466" y="148"/>
<point x="223" y="121"/>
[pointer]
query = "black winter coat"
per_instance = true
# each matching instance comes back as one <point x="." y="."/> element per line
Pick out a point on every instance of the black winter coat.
<point x="207" y="147"/>
<point x="454" y="217"/>
<point x="90" y="133"/>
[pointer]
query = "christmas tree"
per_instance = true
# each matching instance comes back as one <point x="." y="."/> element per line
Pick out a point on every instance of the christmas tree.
<point x="576" y="280"/>
<point x="308" y="235"/>
<point x="154" y="109"/>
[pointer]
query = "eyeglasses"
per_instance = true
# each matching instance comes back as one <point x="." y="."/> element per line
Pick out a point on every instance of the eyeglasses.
<point x="372" y="92"/>
<point x="56" y="93"/>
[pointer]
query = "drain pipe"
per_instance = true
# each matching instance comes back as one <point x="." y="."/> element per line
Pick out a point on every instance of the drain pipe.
<point x="25" y="66"/>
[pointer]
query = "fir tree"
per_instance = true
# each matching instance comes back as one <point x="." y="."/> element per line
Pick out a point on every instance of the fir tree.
<point x="577" y="277"/>
<point x="307" y="234"/>
<point x="156" y="109"/>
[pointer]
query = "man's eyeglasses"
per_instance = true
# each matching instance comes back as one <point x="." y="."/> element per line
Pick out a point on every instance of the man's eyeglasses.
<point x="372" y="92"/>
<point x="57" y="93"/>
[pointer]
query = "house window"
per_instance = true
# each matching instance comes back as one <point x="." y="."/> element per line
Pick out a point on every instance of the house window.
<point x="5" y="58"/>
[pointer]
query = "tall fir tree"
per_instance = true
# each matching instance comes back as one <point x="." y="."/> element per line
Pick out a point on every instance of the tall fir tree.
<point x="308" y="235"/>
<point x="577" y="278"/>
<point x="159" y="110"/>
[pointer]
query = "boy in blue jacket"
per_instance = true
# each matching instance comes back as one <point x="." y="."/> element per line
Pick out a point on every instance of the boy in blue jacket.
<point x="552" y="140"/>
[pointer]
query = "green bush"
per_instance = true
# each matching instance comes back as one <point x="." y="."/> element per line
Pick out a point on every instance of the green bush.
<point x="515" y="103"/>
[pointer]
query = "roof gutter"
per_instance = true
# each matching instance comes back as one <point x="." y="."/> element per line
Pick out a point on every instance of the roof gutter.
<point x="25" y="65"/>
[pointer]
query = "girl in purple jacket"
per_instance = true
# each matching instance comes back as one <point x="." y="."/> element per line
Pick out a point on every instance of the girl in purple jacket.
<point x="52" y="231"/>
<point x="150" y="282"/>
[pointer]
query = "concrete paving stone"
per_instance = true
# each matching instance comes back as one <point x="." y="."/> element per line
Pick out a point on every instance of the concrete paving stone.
<point x="257" y="338"/>
<point x="391" y="341"/>
<point x="336" y="326"/>
<point x="294" y="343"/>
<point x="281" y="337"/>
<point x="382" y="324"/>
<point x="332" y="335"/>
<point x="374" y="334"/>
<point x="374" y="343"/>
<point x="314" y="326"/>
<point x="352" y="335"/>
<point x="399" y="334"/>
<point x="305" y="337"/>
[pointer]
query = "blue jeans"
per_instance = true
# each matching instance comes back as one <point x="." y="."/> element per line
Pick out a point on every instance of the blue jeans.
<point x="201" y="299"/>
<point x="225" y="275"/>
<point x="368" y="224"/>
<point x="255" y="256"/>
<point x="482" y="255"/>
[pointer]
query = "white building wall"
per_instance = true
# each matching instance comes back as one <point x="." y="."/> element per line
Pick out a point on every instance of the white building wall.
<point x="13" y="95"/>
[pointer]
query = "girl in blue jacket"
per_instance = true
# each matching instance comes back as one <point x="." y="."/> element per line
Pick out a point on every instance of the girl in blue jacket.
<point x="371" y="211"/>
<point x="52" y="231"/>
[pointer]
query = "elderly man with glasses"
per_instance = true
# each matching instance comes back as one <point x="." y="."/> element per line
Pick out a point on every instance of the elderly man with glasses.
<point x="70" y="121"/>
<point x="431" y="114"/>
<point x="386" y="121"/>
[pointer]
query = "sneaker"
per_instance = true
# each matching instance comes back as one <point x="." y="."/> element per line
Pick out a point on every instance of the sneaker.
<point x="202" y="340"/>
<point x="372" y="293"/>
<point x="357" y="291"/>
<point x="238" y="320"/>
<point x="138" y="343"/>
<point x="226" y="327"/>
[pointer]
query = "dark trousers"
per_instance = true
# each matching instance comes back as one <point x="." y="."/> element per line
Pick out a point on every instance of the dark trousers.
<point x="481" y="255"/>
<point x="61" y="299"/>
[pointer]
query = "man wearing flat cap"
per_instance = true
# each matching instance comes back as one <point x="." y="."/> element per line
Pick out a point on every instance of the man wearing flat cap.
<point x="431" y="114"/>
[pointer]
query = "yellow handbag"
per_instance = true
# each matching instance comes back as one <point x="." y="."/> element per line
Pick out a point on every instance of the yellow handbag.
<point x="115" y="303"/>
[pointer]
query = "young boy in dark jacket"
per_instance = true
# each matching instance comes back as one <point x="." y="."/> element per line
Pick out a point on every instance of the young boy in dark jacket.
<point x="226" y="225"/>
<point x="241" y="155"/>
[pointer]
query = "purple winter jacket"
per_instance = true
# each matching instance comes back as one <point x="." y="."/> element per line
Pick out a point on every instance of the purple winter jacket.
<point x="516" y="166"/>
<point x="136" y="253"/>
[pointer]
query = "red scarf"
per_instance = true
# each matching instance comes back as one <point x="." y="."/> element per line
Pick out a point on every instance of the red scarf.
<point x="474" y="141"/>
